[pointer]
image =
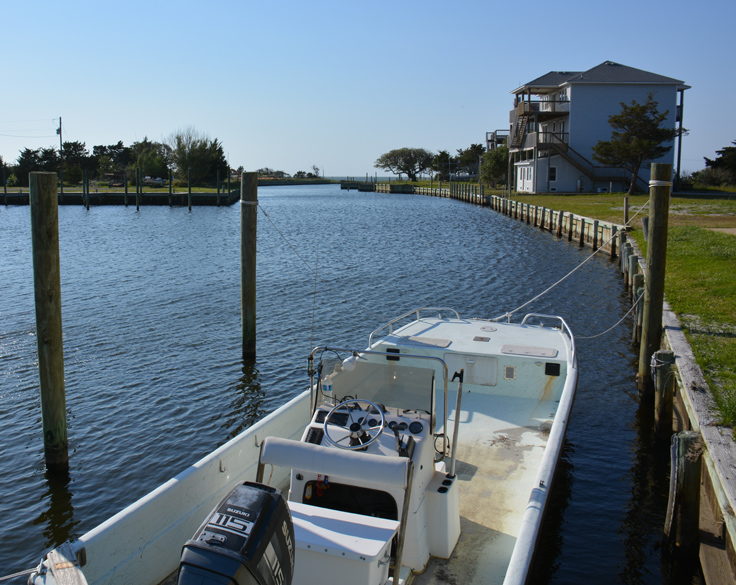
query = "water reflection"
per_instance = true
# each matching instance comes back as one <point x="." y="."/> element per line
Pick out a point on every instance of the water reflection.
<point x="246" y="406"/>
<point x="646" y="509"/>
<point x="58" y="519"/>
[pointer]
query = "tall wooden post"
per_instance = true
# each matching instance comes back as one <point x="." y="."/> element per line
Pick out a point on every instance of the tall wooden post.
<point x="47" y="287"/>
<point x="659" y="203"/>
<point x="138" y="189"/>
<point x="189" y="189"/>
<point x="248" y="224"/>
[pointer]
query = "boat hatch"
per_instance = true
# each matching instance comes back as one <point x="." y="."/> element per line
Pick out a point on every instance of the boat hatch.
<point x="528" y="350"/>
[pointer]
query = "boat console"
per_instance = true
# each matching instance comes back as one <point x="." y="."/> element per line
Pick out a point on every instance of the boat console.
<point x="368" y="492"/>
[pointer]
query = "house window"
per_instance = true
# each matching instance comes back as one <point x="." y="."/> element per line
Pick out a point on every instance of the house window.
<point x="552" y="174"/>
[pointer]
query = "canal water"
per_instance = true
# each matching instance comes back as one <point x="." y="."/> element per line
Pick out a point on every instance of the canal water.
<point x="154" y="378"/>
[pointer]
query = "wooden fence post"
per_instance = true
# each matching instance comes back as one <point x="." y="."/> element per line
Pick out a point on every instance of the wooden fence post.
<point x="47" y="286"/>
<point x="659" y="202"/>
<point x="248" y="225"/>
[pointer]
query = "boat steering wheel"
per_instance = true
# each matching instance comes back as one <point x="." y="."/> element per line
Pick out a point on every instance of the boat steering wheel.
<point x="357" y="429"/>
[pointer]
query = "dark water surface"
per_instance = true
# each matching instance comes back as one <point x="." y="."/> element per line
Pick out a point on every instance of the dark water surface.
<point x="154" y="378"/>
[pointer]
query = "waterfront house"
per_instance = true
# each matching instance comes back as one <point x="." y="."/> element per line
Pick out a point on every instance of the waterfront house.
<point x="558" y="118"/>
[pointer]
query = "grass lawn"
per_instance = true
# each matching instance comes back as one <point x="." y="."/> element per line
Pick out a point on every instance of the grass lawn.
<point x="700" y="284"/>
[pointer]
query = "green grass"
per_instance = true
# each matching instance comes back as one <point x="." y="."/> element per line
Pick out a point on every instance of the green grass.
<point x="610" y="207"/>
<point x="700" y="283"/>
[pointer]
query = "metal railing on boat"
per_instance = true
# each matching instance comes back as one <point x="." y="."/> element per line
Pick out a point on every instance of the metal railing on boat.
<point x="417" y="313"/>
<point x="564" y="328"/>
<point x="445" y="380"/>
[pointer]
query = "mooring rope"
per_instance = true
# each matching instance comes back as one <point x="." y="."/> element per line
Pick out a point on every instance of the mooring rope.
<point x="616" y="324"/>
<point x="314" y="269"/>
<point x="571" y="272"/>
<point x="18" y="574"/>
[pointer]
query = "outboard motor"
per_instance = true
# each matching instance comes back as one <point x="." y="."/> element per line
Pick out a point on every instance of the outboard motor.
<point x="248" y="539"/>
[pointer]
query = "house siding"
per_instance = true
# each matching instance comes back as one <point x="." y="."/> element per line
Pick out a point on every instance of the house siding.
<point x="592" y="105"/>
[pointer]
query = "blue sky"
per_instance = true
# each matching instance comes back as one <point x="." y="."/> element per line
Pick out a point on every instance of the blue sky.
<point x="336" y="83"/>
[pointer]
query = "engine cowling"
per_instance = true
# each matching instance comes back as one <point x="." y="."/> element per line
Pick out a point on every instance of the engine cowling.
<point x="248" y="539"/>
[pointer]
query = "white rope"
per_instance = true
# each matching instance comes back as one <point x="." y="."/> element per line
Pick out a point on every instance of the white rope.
<point x="657" y="183"/>
<point x="569" y="274"/>
<point x="314" y="269"/>
<point x="283" y="237"/>
<point x="18" y="574"/>
<point x="616" y="324"/>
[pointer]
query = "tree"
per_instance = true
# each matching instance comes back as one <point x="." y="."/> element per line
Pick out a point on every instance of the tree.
<point x="75" y="159"/>
<point x="468" y="159"/>
<point x="637" y="137"/>
<point x="494" y="165"/>
<point x="152" y="158"/>
<point x="28" y="161"/>
<point x="411" y="161"/>
<point x="724" y="163"/>
<point x="196" y="158"/>
<point x="442" y="164"/>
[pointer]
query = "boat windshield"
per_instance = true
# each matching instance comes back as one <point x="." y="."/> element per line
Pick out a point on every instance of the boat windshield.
<point x="390" y="384"/>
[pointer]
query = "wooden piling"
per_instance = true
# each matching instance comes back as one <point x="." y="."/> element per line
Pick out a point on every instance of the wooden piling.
<point x="632" y="270"/>
<point x="664" y="384"/>
<point x="47" y="289"/>
<point x="612" y="243"/>
<point x="683" y="506"/>
<point x="560" y="221"/>
<point x="639" y="299"/>
<point x="596" y="224"/>
<point x="189" y="190"/>
<point x="571" y="220"/>
<point x="138" y="188"/>
<point x="248" y="224"/>
<point x="581" y="241"/>
<point x="625" y="253"/>
<point x="659" y="202"/>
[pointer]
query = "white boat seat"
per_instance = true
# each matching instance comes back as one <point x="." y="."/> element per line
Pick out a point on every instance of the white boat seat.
<point x="382" y="470"/>
<point x="341" y="534"/>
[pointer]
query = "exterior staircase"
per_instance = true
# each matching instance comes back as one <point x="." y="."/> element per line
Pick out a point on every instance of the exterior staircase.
<point x="590" y="170"/>
<point x="519" y="131"/>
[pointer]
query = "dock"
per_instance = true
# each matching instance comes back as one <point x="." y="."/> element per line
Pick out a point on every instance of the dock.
<point x="181" y="199"/>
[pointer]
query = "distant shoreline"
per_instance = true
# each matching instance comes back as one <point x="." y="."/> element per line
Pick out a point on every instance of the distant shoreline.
<point x="277" y="182"/>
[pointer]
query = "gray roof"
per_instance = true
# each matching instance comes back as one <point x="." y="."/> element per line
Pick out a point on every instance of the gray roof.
<point x="606" y="72"/>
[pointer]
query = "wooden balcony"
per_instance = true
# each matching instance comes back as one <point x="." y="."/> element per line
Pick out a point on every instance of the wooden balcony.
<point x="554" y="107"/>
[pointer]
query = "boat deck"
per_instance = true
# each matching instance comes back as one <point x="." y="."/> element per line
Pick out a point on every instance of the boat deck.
<point x="500" y="446"/>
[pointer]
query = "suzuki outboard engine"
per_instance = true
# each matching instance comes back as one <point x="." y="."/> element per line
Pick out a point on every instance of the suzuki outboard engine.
<point x="248" y="539"/>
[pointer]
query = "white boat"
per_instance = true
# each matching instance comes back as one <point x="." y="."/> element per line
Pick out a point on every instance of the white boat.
<point x="426" y="457"/>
